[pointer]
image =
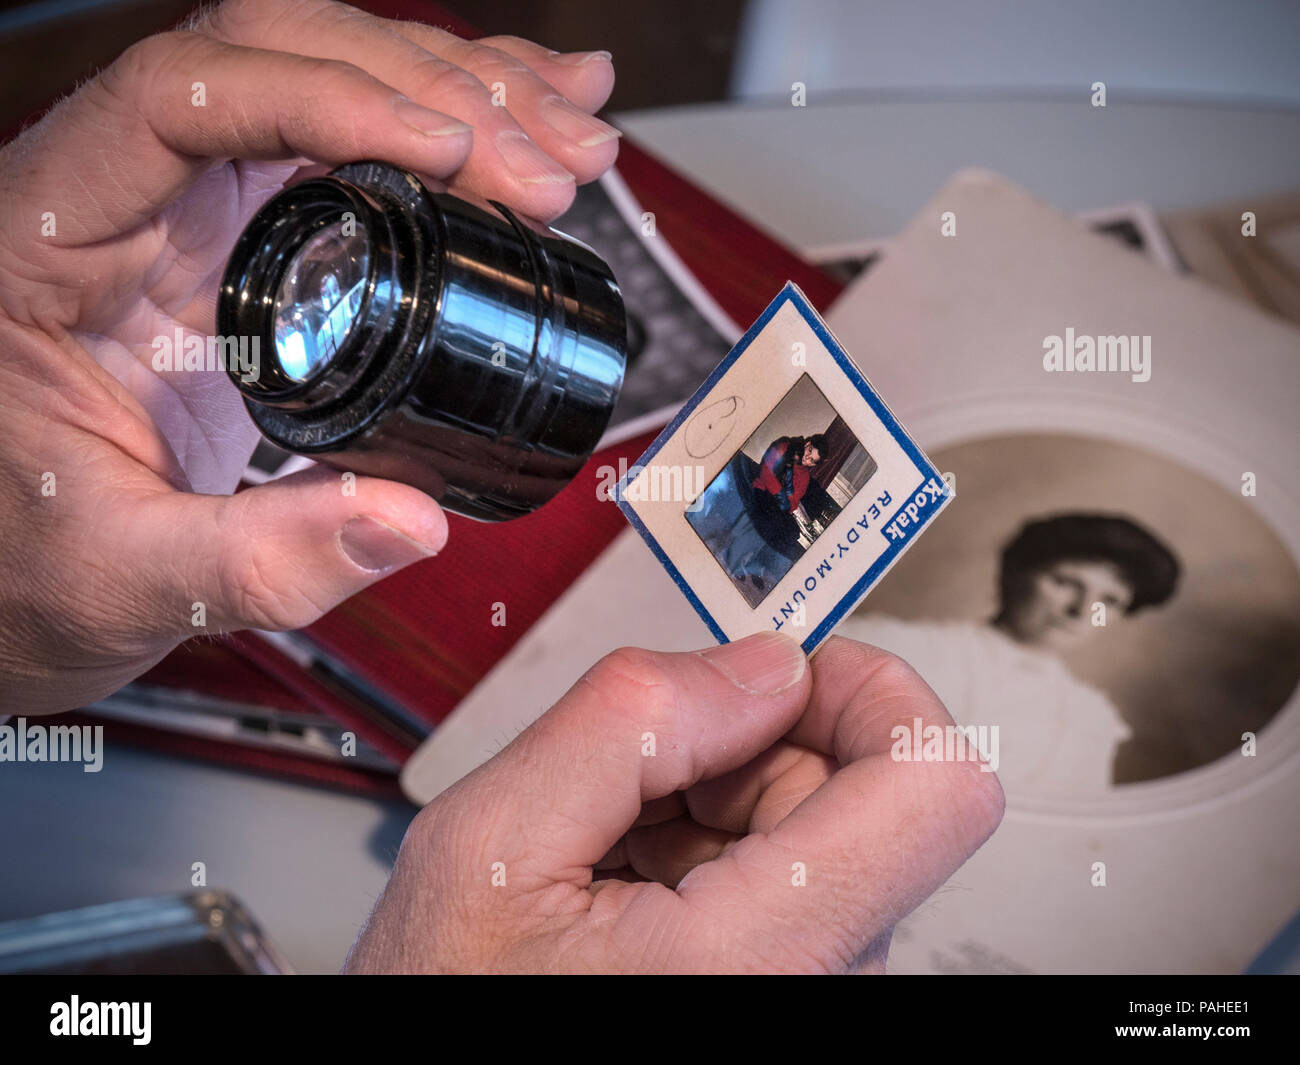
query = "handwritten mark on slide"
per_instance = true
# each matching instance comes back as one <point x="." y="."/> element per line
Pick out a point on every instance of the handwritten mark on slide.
<point x="710" y="426"/>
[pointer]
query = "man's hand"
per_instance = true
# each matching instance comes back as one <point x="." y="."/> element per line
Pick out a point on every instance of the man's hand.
<point x="729" y="810"/>
<point x="117" y="212"/>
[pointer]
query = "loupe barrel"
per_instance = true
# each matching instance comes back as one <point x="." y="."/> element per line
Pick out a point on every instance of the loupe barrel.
<point x="447" y="344"/>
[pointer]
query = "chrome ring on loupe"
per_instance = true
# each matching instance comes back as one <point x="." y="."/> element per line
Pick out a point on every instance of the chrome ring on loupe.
<point x="410" y="334"/>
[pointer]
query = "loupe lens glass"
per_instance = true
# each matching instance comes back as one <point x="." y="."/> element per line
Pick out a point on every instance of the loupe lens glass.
<point x="319" y="297"/>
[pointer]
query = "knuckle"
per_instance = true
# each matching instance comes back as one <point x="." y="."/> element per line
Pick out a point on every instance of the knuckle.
<point x="634" y="679"/>
<point x="136" y="76"/>
<point x="136" y="64"/>
<point x="505" y="42"/>
<point x="337" y="75"/>
<point x="438" y="79"/>
<point x="493" y="64"/>
<point x="302" y="121"/>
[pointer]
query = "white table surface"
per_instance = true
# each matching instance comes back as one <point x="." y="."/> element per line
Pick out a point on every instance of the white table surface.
<point x="853" y="168"/>
<point x="309" y="862"/>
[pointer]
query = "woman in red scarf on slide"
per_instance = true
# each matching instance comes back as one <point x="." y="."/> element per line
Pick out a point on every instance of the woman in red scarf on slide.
<point x="782" y="480"/>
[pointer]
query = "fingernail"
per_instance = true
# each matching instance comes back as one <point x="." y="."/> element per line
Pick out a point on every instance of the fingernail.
<point x="377" y="547"/>
<point x="576" y="59"/>
<point x="422" y="120"/>
<point x="763" y="664"/>
<point x="575" y="124"/>
<point x="528" y="162"/>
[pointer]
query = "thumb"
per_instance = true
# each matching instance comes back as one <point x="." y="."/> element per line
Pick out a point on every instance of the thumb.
<point x="281" y="555"/>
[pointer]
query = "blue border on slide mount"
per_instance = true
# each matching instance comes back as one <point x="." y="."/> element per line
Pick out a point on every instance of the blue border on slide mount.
<point x="789" y="294"/>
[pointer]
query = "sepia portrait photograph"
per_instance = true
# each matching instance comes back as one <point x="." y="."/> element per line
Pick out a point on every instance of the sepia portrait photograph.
<point x="1121" y="617"/>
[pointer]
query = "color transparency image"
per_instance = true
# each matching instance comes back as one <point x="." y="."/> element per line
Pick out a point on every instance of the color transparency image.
<point x="780" y="491"/>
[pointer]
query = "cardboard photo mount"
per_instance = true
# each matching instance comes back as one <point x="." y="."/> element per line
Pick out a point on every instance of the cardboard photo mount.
<point x="903" y="494"/>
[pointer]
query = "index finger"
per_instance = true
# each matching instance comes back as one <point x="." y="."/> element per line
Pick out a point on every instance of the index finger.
<point x="639" y="726"/>
<point x="136" y="136"/>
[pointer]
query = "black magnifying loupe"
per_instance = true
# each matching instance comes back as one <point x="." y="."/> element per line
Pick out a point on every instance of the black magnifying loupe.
<point x="409" y="334"/>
